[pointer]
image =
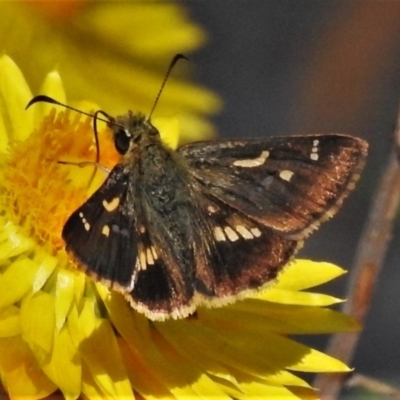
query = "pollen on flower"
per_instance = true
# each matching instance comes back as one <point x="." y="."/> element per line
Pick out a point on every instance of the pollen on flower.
<point x="39" y="191"/>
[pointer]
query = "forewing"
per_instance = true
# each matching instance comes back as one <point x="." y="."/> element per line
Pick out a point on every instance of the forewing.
<point x="102" y="236"/>
<point x="289" y="184"/>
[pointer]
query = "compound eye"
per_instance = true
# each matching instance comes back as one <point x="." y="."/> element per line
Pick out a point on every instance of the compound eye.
<point x="121" y="141"/>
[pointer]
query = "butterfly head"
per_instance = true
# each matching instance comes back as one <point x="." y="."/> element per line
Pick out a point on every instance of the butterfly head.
<point x="132" y="130"/>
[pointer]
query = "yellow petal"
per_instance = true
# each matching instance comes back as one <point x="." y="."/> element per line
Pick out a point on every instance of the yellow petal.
<point x="169" y="368"/>
<point x="205" y="362"/>
<point x="64" y="367"/>
<point x="233" y="391"/>
<point x="205" y="388"/>
<point x="16" y="281"/>
<point x="315" y="361"/>
<point x="21" y="375"/>
<point x="4" y="139"/>
<point x="258" y="315"/>
<point x="181" y="34"/>
<point x="228" y="352"/>
<point x="145" y="383"/>
<point x="104" y="362"/>
<point x="52" y="86"/>
<point x="187" y="346"/>
<point x="304" y="393"/>
<point x="264" y="354"/>
<point x="80" y="282"/>
<point x="195" y="129"/>
<point x="169" y="130"/>
<point x="260" y="391"/>
<point x="300" y="298"/>
<point x="303" y="274"/>
<point x="74" y="327"/>
<point x="65" y="292"/>
<point x="15" y="94"/>
<point x="90" y="389"/>
<point x="47" y="264"/>
<point x="37" y="322"/>
<point x="12" y="242"/>
<point x="165" y="364"/>
<point x="10" y="322"/>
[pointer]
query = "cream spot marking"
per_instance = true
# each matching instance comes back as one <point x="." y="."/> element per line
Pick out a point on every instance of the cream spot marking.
<point x="86" y="224"/>
<point x="244" y="232"/>
<point x="211" y="209"/>
<point x="256" y="232"/>
<point x="112" y="205"/>
<point x="143" y="262"/>
<point x="106" y="230"/>
<point x="149" y="256"/>
<point x="232" y="235"/>
<point x="252" y="162"/>
<point x="219" y="234"/>
<point x="286" y="175"/>
<point x="142" y="229"/>
<point x="314" y="151"/>
<point x="153" y="251"/>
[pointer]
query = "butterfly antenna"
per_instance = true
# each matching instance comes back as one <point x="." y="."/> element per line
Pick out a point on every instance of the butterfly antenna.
<point x="41" y="98"/>
<point x="171" y="65"/>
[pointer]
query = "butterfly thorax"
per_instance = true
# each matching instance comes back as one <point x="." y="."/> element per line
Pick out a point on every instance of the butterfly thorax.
<point x="159" y="192"/>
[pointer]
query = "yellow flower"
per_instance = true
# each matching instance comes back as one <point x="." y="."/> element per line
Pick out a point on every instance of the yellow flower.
<point x="113" y="51"/>
<point x="60" y="330"/>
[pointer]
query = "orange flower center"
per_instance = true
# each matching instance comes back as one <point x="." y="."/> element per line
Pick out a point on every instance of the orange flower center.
<point x="40" y="192"/>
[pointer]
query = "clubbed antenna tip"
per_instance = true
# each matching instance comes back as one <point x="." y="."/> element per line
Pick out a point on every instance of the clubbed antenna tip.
<point x="176" y="58"/>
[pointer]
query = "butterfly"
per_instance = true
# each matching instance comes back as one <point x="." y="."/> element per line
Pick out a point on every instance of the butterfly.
<point x="210" y="222"/>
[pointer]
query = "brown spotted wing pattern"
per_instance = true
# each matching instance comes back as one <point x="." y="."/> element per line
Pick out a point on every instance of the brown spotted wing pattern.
<point x="210" y="222"/>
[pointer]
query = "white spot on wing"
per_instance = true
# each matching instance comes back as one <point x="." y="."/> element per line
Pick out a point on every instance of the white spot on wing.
<point x="232" y="235"/>
<point x="256" y="232"/>
<point x="219" y="234"/>
<point x="244" y="232"/>
<point x="106" y="230"/>
<point x="143" y="261"/>
<point x="149" y="256"/>
<point x="286" y="175"/>
<point x="314" y="151"/>
<point x="85" y="223"/>
<point x="252" y="162"/>
<point x="212" y="209"/>
<point x="112" y="205"/>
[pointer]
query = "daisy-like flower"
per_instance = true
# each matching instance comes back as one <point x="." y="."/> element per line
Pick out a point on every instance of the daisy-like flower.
<point x="59" y="330"/>
<point x="113" y="51"/>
